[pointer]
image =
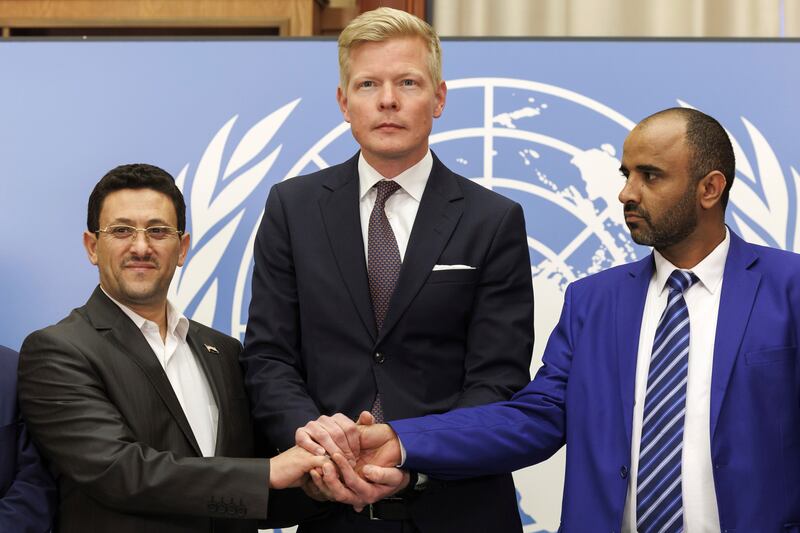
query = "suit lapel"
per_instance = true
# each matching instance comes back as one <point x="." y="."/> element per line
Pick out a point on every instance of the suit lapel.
<point x="437" y="216"/>
<point x="739" y="287"/>
<point x="115" y="326"/>
<point x="340" y="212"/>
<point x="630" y="308"/>
<point x="209" y="362"/>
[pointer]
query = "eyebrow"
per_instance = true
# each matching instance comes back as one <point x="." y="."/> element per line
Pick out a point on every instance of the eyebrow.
<point x="151" y="222"/>
<point x="371" y="75"/>
<point x="651" y="169"/>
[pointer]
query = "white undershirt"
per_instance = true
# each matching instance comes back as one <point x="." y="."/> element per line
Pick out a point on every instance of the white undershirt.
<point x="401" y="207"/>
<point x="184" y="373"/>
<point x="700" y="514"/>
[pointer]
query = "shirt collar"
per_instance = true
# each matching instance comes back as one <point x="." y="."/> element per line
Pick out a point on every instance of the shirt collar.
<point x="709" y="271"/>
<point x="412" y="180"/>
<point x="177" y="323"/>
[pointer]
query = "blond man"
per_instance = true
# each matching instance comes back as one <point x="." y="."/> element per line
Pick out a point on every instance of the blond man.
<point x="388" y="284"/>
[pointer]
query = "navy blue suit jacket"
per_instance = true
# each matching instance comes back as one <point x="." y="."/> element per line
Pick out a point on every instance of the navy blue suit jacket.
<point x="583" y="395"/>
<point x="27" y="491"/>
<point x="451" y="338"/>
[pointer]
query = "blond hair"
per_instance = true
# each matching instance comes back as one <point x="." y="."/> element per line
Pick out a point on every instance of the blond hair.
<point x="381" y="25"/>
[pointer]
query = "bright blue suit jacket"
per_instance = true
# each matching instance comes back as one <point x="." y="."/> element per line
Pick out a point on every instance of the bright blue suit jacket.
<point x="27" y="492"/>
<point x="583" y="395"/>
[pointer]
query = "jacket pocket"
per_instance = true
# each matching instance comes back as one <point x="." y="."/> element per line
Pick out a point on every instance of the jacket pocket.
<point x="771" y="355"/>
<point x="453" y="276"/>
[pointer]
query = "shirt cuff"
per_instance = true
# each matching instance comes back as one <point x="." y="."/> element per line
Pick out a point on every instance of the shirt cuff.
<point x="402" y="453"/>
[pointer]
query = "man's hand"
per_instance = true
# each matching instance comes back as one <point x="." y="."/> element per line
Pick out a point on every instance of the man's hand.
<point x="355" y="490"/>
<point x="290" y="468"/>
<point x="379" y="445"/>
<point x="311" y="489"/>
<point x="330" y="434"/>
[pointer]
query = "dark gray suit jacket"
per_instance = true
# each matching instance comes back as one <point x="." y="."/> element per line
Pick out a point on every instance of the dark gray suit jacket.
<point x="102" y="410"/>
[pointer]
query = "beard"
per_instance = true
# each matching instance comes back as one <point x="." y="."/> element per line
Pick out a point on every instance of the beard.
<point x="677" y="222"/>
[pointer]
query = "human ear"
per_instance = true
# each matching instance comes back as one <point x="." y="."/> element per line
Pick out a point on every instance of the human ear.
<point x="710" y="189"/>
<point x="90" y="243"/>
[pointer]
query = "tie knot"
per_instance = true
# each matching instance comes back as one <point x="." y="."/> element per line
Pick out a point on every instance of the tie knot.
<point x="385" y="189"/>
<point x="680" y="280"/>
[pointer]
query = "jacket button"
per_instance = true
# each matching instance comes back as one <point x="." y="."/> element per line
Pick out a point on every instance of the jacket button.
<point x="379" y="357"/>
<point x="623" y="472"/>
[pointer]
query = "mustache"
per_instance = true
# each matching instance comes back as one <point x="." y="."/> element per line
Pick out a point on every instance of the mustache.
<point x="145" y="259"/>
<point x="636" y="209"/>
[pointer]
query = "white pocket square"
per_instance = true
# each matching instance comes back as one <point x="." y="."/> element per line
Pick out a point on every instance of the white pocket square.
<point x="452" y="267"/>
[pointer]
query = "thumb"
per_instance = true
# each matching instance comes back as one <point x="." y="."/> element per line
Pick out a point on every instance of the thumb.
<point x="383" y="476"/>
<point x="366" y="418"/>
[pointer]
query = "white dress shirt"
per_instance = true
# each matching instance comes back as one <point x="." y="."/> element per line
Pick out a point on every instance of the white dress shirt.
<point x="401" y="207"/>
<point x="700" y="513"/>
<point x="184" y="373"/>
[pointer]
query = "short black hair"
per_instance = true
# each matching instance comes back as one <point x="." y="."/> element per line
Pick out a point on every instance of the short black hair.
<point x="711" y="147"/>
<point x="134" y="176"/>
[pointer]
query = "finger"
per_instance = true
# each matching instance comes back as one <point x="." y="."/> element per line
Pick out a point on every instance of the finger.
<point x="392" y="482"/>
<point x="353" y="481"/>
<point x="350" y="431"/>
<point x="319" y="485"/>
<point x="344" y="493"/>
<point x="320" y="434"/>
<point x="338" y="427"/>
<point x="312" y="491"/>
<point x="383" y="475"/>
<point x="334" y="486"/>
<point x="304" y="440"/>
<point x="314" y="461"/>
<point x="366" y="418"/>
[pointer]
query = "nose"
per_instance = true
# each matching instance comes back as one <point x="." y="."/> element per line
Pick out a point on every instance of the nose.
<point x="140" y="244"/>
<point x="388" y="97"/>
<point x="629" y="192"/>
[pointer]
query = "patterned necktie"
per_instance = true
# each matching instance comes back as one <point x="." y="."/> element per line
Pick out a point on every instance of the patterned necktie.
<point x="659" y="502"/>
<point x="383" y="265"/>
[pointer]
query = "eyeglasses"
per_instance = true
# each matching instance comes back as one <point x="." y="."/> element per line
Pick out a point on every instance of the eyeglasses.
<point x="154" y="233"/>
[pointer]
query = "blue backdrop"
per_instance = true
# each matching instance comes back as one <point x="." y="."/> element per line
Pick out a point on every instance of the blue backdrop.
<point x="539" y="121"/>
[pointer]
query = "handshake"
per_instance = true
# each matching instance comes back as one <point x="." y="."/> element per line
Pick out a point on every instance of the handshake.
<point x="337" y="459"/>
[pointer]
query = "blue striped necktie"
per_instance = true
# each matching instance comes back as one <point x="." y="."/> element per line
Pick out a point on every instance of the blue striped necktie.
<point x="659" y="503"/>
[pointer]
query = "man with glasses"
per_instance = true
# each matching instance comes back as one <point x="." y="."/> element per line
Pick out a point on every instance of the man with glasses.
<point x="143" y="412"/>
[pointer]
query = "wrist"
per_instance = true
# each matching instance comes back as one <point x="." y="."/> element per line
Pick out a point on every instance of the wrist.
<point x="278" y="478"/>
<point x="273" y="472"/>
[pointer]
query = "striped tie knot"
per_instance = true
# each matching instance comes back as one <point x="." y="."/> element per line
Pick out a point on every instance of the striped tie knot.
<point x="680" y="280"/>
<point x="385" y="189"/>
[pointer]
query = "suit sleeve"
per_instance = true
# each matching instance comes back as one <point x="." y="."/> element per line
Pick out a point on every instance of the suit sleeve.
<point x="500" y="335"/>
<point x="29" y="503"/>
<point x="274" y="374"/>
<point x="86" y="438"/>
<point x="501" y="437"/>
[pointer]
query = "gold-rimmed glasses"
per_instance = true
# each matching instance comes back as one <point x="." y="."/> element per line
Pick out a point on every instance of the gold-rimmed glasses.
<point x="124" y="232"/>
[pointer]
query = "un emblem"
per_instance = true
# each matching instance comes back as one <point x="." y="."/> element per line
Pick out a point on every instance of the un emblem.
<point x="554" y="151"/>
